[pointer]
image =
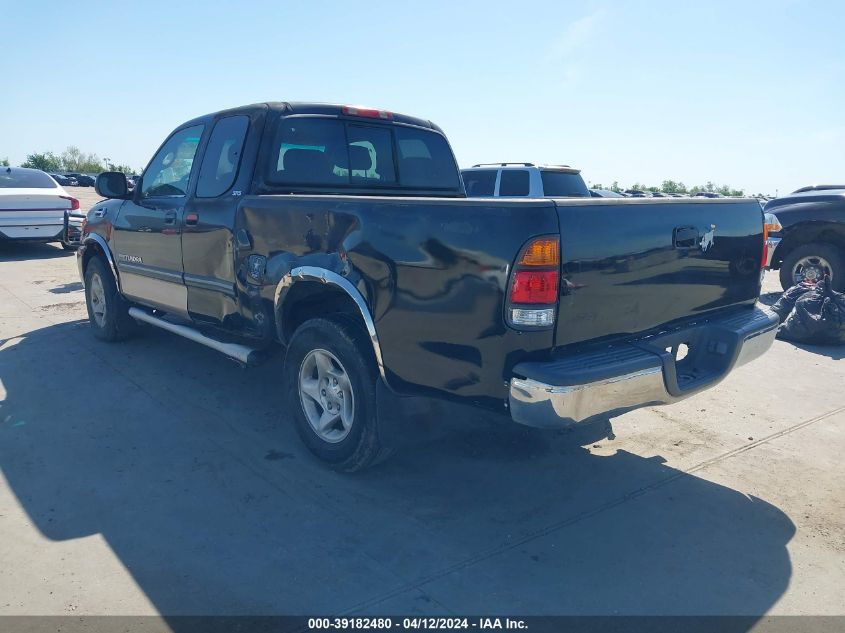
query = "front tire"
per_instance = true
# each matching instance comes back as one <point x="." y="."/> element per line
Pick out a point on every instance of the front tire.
<point x="330" y="375"/>
<point x="107" y="310"/>
<point x="811" y="262"/>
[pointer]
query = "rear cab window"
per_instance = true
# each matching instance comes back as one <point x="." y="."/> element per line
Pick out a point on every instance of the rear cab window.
<point x="316" y="151"/>
<point x="563" y="184"/>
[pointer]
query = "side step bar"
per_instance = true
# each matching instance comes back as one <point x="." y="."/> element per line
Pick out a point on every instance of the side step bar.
<point x="241" y="353"/>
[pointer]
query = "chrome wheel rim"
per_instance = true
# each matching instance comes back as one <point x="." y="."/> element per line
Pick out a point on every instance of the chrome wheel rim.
<point x="98" y="300"/>
<point x="811" y="268"/>
<point x="326" y="395"/>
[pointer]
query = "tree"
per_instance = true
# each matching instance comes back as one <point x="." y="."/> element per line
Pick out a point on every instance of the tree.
<point x="670" y="186"/>
<point x="4" y="162"/>
<point x="615" y="187"/>
<point x="77" y="161"/>
<point x="46" y="161"/>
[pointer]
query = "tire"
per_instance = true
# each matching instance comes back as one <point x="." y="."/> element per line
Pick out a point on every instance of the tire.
<point x="830" y="254"/>
<point x="321" y="353"/>
<point x="107" y="310"/>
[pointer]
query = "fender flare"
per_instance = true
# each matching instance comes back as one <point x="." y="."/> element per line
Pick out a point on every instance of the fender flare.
<point x="101" y="242"/>
<point x="323" y="275"/>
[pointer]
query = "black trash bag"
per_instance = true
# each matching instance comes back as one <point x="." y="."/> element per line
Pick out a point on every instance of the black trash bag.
<point x="783" y="306"/>
<point x="817" y="317"/>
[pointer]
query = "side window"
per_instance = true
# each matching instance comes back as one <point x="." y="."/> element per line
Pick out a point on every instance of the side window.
<point x="480" y="183"/>
<point x="170" y="169"/>
<point x="222" y="156"/>
<point x="514" y="182"/>
<point x="370" y="155"/>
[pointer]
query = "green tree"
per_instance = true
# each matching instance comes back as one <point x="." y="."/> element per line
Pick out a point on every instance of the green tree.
<point x="670" y="186"/>
<point x="46" y="161"/>
<point x="4" y="162"/>
<point x="615" y="187"/>
<point x="77" y="161"/>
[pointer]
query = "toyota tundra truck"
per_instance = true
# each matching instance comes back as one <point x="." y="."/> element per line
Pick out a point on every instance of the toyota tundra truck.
<point x="342" y="237"/>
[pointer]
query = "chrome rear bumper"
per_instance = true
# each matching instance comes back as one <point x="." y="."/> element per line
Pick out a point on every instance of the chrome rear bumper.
<point x="641" y="373"/>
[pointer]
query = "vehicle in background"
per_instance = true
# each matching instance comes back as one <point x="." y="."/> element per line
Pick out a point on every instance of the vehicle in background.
<point x="82" y="180"/>
<point x="344" y="235"/>
<point x="806" y="236"/>
<point x="65" y="181"/>
<point x="132" y="181"/>
<point x="523" y="180"/>
<point x="33" y="206"/>
<point x="819" y="188"/>
<point x="605" y="193"/>
<point x="707" y="194"/>
<point x="659" y="194"/>
<point x="636" y="193"/>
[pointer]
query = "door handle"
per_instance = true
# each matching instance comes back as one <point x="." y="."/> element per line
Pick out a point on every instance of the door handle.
<point x="170" y="217"/>
<point x="685" y="237"/>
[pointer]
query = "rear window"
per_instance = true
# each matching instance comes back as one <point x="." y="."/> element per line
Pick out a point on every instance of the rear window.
<point x="317" y="151"/>
<point x="480" y="183"/>
<point x="11" y="178"/>
<point x="514" y="182"/>
<point x="564" y="184"/>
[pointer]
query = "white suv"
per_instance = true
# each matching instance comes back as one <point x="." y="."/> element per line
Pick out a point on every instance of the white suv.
<point x="520" y="180"/>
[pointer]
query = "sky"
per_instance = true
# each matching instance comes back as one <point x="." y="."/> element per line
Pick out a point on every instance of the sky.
<point x="748" y="94"/>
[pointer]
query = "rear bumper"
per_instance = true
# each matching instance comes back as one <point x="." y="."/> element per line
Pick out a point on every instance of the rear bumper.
<point x="640" y="373"/>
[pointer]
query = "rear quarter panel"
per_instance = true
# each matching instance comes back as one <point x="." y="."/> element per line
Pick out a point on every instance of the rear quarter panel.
<point x="433" y="272"/>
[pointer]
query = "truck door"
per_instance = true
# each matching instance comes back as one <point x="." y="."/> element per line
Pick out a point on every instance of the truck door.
<point x="207" y="239"/>
<point x="147" y="231"/>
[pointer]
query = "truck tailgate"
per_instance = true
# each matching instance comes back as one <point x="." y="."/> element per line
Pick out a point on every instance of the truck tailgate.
<point x="632" y="265"/>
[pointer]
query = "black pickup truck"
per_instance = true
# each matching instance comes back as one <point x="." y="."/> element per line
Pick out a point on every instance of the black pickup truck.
<point x="343" y="236"/>
<point x="806" y="235"/>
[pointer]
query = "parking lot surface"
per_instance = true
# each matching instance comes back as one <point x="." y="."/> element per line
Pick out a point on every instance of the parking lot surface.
<point x="155" y="476"/>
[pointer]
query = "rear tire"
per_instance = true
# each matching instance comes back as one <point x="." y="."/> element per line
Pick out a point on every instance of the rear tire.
<point x="107" y="309"/>
<point x="816" y="258"/>
<point x="330" y="377"/>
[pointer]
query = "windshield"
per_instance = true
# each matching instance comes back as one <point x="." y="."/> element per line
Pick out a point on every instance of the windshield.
<point x="11" y="178"/>
<point x="564" y="184"/>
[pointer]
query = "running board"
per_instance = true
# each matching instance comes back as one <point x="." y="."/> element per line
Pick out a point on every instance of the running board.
<point x="241" y="353"/>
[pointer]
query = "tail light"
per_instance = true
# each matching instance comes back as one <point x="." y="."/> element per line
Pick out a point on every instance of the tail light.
<point x="534" y="287"/>
<point x="74" y="203"/>
<point x="771" y="224"/>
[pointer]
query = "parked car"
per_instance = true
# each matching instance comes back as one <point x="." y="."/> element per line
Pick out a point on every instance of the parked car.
<point x="33" y="206"/>
<point x="373" y="270"/>
<point x="707" y="194"/>
<point x="65" y="181"/>
<point x="82" y="179"/>
<point x="659" y="194"/>
<point x="819" y="188"/>
<point x="806" y="236"/>
<point x="636" y="193"/>
<point x="132" y="181"/>
<point x="523" y="180"/>
<point x="605" y="193"/>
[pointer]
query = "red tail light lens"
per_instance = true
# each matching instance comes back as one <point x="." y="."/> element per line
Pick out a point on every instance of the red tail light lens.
<point x="534" y="286"/>
<point x="74" y="203"/>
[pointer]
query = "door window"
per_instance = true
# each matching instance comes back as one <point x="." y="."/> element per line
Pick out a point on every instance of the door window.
<point x="222" y="156"/>
<point x="170" y="169"/>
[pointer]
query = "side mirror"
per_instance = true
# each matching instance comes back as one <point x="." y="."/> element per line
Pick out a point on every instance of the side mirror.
<point x="112" y="184"/>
